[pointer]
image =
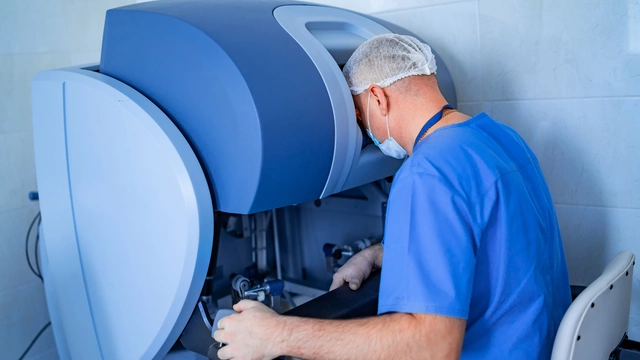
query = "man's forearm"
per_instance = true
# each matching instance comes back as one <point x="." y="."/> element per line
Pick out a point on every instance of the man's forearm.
<point x="399" y="336"/>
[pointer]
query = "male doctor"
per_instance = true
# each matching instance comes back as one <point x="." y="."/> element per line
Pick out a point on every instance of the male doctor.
<point x="472" y="262"/>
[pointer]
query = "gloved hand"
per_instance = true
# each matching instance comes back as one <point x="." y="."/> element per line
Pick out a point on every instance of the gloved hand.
<point x="358" y="268"/>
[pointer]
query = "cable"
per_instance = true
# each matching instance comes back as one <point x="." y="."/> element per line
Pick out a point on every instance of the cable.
<point x="37" y="257"/>
<point x="36" y="249"/>
<point x="26" y="248"/>
<point x="276" y="245"/>
<point x="36" y="271"/>
<point x="34" y="340"/>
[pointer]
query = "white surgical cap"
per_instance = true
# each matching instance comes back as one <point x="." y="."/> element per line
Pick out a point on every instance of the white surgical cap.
<point x="385" y="59"/>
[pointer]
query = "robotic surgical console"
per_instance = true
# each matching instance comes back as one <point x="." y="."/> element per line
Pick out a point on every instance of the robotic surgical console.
<point x="213" y="155"/>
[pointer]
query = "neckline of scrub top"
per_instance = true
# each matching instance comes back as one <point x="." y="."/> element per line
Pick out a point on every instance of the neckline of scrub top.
<point x="434" y="119"/>
<point x="464" y="123"/>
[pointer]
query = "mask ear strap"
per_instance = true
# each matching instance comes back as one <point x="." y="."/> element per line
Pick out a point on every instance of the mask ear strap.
<point x="388" y="132"/>
<point x="368" y="118"/>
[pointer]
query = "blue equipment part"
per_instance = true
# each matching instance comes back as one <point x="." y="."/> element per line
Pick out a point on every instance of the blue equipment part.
<point x="33" y="195"/>
<point x="243" y="92"/>
<point x="127" y="217"/>
<point x="328" y="249"/>
<point x="329" y="36"/>
<point x="256" y="88"/>
<point x="275" y="287"/>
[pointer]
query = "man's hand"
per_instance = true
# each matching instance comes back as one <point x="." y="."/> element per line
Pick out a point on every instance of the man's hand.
<point x="358" y="268"/>
<point x="252" y="334"/>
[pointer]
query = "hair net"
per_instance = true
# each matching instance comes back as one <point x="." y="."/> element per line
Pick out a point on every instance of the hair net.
<point x="385" y="59"/>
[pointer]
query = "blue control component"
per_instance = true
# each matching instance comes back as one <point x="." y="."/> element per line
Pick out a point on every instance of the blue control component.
<point x="276" y="287"/>
<point x="243" y="92"/>
<point x="33" y="196"/>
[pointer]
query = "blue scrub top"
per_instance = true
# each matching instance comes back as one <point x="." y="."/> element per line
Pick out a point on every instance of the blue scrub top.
<point x="471" y="232"/>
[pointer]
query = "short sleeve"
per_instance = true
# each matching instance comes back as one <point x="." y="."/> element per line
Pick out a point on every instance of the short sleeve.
<point x="429" y="252"/>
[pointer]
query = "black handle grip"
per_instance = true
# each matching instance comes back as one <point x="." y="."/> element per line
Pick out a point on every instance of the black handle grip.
<point x="343" y="303"/>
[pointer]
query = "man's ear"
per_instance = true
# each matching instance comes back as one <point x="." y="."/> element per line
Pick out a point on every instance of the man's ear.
<point x="379" y="99"/>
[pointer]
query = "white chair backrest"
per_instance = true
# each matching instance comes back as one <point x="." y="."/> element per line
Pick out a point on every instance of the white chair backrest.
<point x="598" y="318"/>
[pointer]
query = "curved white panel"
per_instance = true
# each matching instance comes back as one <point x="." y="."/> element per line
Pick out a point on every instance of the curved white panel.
<point x="142" y="214"/>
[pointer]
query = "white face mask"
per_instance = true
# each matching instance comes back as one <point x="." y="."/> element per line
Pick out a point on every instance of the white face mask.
<point x="389" y="147"/>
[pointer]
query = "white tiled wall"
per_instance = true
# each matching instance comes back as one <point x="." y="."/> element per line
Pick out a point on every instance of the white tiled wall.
<point x="557" y="49"/>
<point x="566" y="75"/>
<point x="35" y="35"/>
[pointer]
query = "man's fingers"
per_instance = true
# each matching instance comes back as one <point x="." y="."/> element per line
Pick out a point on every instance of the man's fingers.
<point x="224" y="353"/>
<point x="244" y="305"/>
<point x="223" y="323"/>
<point x="337" y="282"/>
<point x="218" y="336"/>
<point x="354" y="284"/>
<point x="354" y="271"/>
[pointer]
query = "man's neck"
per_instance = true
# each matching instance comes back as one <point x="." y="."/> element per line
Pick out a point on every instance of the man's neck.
<point x="454" y="117"/>
<point x="417" y="116"/>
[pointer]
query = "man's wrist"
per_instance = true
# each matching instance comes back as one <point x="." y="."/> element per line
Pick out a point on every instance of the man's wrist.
<point x="283" y="332"/>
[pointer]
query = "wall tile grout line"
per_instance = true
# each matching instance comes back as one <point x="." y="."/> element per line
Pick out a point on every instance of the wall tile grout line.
<point x="397" y="11"/>
<point x="18" y="209"/>
<point x="593" y="98"/>
<point x="25" y="284"/>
